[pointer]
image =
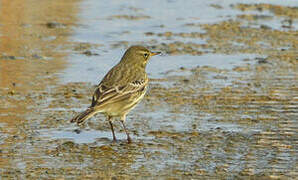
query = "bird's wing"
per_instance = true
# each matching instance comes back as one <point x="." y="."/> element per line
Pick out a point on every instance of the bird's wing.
<point x="105" y="95"/>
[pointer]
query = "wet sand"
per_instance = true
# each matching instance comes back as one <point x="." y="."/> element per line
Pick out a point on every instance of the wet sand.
<point x="222" y="102"/>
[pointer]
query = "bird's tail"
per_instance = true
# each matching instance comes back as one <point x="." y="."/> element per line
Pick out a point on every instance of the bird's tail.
<point x="83" y="116"/>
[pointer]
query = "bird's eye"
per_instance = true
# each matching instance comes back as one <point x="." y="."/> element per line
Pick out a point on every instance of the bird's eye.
<point x="146" y="55"/>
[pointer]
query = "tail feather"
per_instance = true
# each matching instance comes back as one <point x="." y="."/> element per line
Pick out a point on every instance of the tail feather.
<point x="83" y="116"/>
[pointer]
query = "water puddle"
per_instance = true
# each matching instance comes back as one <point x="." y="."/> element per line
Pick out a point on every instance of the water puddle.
<point x="80" y="136"/>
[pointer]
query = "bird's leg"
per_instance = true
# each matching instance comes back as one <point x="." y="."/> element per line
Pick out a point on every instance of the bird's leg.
<point x="124" y="127"/>
<point x="127" y="134"/>
<point x="112" y="128"/>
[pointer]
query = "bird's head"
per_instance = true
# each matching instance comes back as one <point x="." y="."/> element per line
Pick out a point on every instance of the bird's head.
<point x="138" y="55"/>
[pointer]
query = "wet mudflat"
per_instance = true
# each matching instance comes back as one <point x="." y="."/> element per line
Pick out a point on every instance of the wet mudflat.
<point x="222" y="102"/>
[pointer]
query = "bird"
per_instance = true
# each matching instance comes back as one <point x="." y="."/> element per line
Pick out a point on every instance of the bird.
<point x="121" y="89"/>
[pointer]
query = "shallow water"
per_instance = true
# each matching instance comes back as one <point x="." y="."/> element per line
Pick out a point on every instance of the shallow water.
<point x="222" y="102"/>
<point x="93" y="70"/>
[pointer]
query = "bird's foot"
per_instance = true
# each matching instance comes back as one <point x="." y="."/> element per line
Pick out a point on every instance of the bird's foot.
<point x="114" y="140"/>
<point x="129" y="141"/>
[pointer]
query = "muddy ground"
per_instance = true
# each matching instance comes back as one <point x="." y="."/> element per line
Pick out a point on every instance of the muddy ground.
<point x="222" y="102"/>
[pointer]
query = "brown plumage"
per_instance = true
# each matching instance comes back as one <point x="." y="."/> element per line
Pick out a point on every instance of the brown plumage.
<point x="121" y="89"/>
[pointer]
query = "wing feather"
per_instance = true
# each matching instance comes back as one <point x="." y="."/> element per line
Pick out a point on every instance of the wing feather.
<point x="104" y="95"/>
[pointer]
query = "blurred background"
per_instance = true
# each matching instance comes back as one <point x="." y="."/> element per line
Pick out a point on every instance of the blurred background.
<point x="222" y="100"/>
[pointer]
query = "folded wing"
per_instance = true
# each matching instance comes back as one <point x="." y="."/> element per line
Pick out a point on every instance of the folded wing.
<point x="104" y="95"/>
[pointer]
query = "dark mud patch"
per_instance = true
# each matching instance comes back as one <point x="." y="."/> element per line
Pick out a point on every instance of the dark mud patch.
<point x="231" y="37"/>
<point x="129" y="17"/>
<point x="291" y="12"/>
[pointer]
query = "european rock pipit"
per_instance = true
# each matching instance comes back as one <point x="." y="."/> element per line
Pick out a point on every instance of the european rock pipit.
<point x="121" y="89"/>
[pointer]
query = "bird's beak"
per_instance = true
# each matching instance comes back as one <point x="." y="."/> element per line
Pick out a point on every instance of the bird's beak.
<point x="155" y="53"/>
